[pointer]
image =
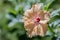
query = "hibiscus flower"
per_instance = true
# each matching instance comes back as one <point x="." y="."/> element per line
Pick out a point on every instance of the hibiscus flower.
<point x="35" y="21"/>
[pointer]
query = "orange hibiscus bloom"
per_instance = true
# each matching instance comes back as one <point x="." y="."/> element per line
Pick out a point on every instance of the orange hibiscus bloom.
<point x="35" y="21"/>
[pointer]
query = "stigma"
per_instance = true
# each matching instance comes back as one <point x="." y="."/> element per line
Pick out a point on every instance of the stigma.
<point x="37" y="20"/>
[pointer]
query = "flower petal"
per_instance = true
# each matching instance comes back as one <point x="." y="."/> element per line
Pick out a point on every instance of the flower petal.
<point x="42" y="29"/>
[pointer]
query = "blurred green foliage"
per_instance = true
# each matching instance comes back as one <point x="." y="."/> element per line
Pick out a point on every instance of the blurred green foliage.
<point x="11" y="22"/>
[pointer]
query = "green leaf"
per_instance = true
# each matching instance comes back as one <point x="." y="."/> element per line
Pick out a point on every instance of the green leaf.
<point x="55" y="18"/>
<point x="55" y="13"/>
<point x="13" y="11"/>
<point x="55" y="21"/>
<point x="47" y="4"/>
<point x="21" y="11"/>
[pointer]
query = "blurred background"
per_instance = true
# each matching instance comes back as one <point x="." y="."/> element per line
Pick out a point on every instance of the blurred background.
<point x="11" y="22"/>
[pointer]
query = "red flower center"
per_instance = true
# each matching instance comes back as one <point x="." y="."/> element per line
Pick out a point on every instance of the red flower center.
<point x="37" y="19"/>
